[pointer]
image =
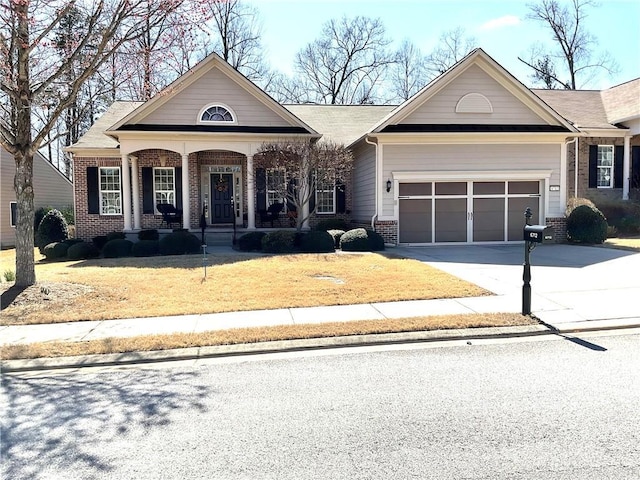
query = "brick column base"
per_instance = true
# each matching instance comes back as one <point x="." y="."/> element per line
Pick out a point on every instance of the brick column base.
<point x="388" y="229"/>
<point x="559" y="225"/>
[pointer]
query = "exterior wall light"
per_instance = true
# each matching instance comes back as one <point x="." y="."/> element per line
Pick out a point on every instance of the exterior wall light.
<point x="388" y="186"/>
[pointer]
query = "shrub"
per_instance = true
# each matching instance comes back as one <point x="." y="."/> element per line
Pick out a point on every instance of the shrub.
<point x="116" y="248"/>
<point x="145" y="248"/>
<point x="69" y="216"/>
<point x="72" y="241"/>
<point x="280" y="241"/>
<point x="317" y="242"/>
<point x="625" y="216"/>
<point x="99" y="241"/>
<point x="586" y="225"/>
<point x="336" y="234"/>
<point x="179" y="243"/>
<point x="9" y="275"/>
<point x="148" y="234"/>
<point x="361" y="240"/>
<point x="575" y="202"/>
<point x="82" y="251"/>
<point x="52" y="228"/>
<point x="331" y="224"/>
<point x="251" y="241"/>
<point x="38" y="216"/>
<point x="56" y="250"/>
<point x="116" y="236"/>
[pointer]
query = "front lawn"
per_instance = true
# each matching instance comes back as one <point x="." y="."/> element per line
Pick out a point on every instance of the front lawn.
<point x="175" y="285"/>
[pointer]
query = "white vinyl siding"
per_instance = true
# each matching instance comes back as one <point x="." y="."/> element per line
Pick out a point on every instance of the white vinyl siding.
<point x="214" y="87"/>
<point x="605" y="166"/>
<point x="364" y="175"/>
<point x="462" y="158"/>
<point x="110" y="197"/>
<point x="441" y="108"/>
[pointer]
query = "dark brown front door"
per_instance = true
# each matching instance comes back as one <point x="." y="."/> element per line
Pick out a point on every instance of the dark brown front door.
<point x="221" y="195"/>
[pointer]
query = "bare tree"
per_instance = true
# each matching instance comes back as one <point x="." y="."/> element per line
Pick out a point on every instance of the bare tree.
<point x="453" y="45"/>
<point x="572" y="55"/>
<point x="346" y="64"/>
<point x="304" y="166"/>
<point x="238" y="31"/>
<point x="409" y="74"/>
<point x="30" y="69"/>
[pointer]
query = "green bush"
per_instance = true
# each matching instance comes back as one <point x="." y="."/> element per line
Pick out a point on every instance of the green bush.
<point x="317" y="242"/>
<point x="251" y="241"/>
<point x="9" y="275"/>
<point x="72" y="241"/>
<point x="337" y="235"/>
<point x="331" y="224"/>
<point x="586" y="225"/>
<point x="116" y="248"/>
<point x="68" y="214"/>
<point x="148" y="234"/>
<point x="52" y="228"/>
<point x="82" y="251"/>
<point x="56" y="250"/>
<point x="280" y="241"/>
<point x="99" y="241"/>
<point x="37" y="218"/>
<point x="179" y="243"/>
<point x="361" y="240"/>
<point x="575" y="202"/>
<point x="624" y="216"/>
<point x="115" y="236"/>
<point x="145" y="248"/>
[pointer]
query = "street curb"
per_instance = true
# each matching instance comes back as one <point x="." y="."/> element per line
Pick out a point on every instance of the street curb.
<point x="280" y="346"/>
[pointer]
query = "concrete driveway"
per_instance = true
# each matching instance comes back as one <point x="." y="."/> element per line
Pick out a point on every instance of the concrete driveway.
<point x="569" y="282"/>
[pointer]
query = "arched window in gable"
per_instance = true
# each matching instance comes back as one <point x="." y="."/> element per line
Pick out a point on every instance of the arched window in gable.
<point x="217" y="114"/>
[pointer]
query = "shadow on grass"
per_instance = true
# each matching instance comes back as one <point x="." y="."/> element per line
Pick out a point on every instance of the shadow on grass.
<point x="9" y="296"/>
<point x="74" y="423"/>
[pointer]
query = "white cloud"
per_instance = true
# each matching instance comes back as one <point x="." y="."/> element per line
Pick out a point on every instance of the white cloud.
<point x="504" y="21"/>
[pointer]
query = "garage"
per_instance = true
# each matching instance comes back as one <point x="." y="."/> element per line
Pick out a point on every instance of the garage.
<point x="465" y="211"/>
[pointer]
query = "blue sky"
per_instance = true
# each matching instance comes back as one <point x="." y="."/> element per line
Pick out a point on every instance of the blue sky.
<point x="500" y="27"/>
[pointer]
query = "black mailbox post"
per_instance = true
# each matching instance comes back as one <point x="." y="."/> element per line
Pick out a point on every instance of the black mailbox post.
<point x="533" y="235"/>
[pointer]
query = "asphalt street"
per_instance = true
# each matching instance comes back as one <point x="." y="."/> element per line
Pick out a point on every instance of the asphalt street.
<point x="534" y="408"/>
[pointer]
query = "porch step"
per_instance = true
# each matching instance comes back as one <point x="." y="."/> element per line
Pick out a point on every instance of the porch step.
<point x="218" y="238"/>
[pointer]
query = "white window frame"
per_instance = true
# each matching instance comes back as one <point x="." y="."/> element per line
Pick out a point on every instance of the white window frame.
<point x="601" y="150"/>
<point x="156" y="190"/>
<point x="333" y="198"/>
<point x="273" y="196"/>
<point x="231" y="113"/>
<point x="104" y="192"/>
<point x="12" y="223"/>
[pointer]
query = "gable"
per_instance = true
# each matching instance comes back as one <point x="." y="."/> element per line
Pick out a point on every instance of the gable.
<point x="214" y="88"/>
<point x="473" y="97"/>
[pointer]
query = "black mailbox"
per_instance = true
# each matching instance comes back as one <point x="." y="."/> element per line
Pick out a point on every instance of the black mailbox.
<point x="538" y="234"/>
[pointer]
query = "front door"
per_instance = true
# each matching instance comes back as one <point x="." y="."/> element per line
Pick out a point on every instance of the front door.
<point x="221" y="195"/>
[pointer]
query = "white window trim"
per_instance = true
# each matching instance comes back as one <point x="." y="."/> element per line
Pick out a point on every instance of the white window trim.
<point x="267" y="190"/>
<point x="234" y="117"/>
<point x="155" y="201"/>
<point x="611" y="167"/>
<point x="100" y="191"/>
<point x="333" y="200"/>
<point x="12" y="224"/>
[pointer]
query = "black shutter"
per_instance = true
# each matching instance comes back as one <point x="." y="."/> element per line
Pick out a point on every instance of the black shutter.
<point x="261" y="189"/>
<point x="178" y="180"/>
<point x="593" y="166"/>
<point x="13" y="207"/>
<point x="147" y="190"/>
<point x="341" y="197"/>
<point x="635" y="167"/>
<point x="618" y="163"/>
<point x="93" y="193"/>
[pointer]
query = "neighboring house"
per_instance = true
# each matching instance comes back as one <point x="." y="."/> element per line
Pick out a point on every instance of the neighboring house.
<point x="51" y="189"/>
<point x="457" y="163"/>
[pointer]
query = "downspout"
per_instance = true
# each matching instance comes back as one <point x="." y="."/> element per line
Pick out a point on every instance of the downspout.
<point x="375" y="189"/>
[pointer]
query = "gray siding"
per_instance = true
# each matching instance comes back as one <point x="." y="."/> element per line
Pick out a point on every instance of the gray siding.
<point x="364" y="178"/>
<point x="441" y="108"/>
<point x="50" y="189"/>
<point x="214" y="87"/>
<point x="461" y="158"/>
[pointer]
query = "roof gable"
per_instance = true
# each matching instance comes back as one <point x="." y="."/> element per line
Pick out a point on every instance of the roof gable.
<point x="475" y="91"/>
<point x="212" y="82"/>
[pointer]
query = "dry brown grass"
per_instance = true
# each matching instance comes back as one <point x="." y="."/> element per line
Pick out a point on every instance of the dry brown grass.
<point x="263" y="334"/>
<point x="159" y="286"/>
<point x="631" y="243"/>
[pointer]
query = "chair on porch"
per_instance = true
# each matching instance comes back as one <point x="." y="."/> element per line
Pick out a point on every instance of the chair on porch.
<point x="170" y="214"/>
<point x="271" y="214"/>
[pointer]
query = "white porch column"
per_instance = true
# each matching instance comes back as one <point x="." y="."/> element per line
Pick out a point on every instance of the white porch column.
<point x="305" y="207"/>
<point x="136" y="194"/>
<point x="126" y="193"/>
<point x="626" y="168"/>
<point x="186" y="211"/>
<point x="251" y="194"/>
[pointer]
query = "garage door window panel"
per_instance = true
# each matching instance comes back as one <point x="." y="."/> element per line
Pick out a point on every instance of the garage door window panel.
<point x="451" y="220"/>
<point x="415" y="189"/>
<point x="488" y="219"/>
<point x="415" y="221"/>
